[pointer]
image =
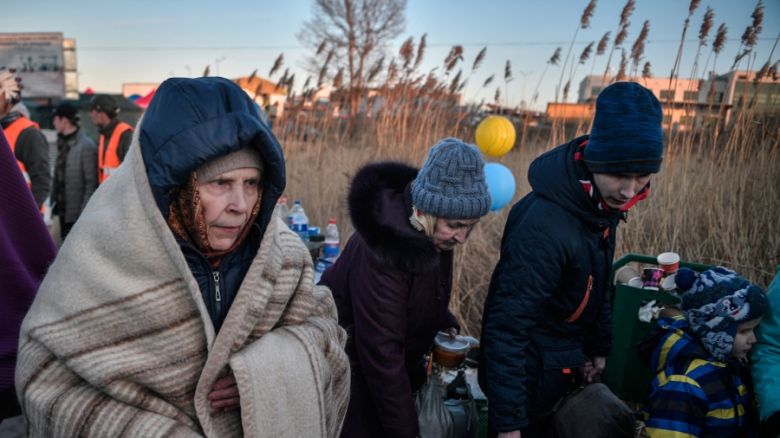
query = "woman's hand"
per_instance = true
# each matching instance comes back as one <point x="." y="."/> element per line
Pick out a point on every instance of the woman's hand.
<point x="224" y="395"/>
<point x="513" y="434"/>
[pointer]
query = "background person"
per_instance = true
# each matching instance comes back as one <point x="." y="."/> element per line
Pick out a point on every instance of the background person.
<point x="393" y="280"/>
<point x="766" y="363"/>
<point x="26" y="250"/>
<point x="27" y="142"/>
<point x="75" y="172"/>
<point x="547" y="316"/>
<point x="115" y="135"/>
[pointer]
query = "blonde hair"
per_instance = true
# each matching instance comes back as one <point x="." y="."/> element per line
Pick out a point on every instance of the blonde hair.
<point x="422" y="221"/>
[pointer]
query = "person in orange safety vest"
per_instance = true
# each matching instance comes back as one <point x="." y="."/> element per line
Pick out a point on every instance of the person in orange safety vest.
<point x="115" y="135"/>
<point x="27" y="142"/>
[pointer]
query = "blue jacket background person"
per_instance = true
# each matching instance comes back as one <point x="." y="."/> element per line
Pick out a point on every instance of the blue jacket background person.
<point x="547" y="317"/>
<point x="766" y="363"/>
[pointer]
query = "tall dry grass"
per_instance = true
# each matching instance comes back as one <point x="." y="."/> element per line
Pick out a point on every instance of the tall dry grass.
<point x="715" y="201"/>
<point x="712" y="202"/>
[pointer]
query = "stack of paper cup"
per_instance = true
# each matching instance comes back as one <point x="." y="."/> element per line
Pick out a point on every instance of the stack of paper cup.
<point x="669" y="262"/>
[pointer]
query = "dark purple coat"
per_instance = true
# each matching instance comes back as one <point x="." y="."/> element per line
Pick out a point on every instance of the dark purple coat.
<point x="26" y="249"/>
<point x="392" y="288"/>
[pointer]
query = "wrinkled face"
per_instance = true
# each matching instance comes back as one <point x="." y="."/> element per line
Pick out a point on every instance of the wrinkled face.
<point x="618" y="188"/>
<point x="227" y="202"/>
<point x="745" y="338"/>
<point x="449" y="232"/>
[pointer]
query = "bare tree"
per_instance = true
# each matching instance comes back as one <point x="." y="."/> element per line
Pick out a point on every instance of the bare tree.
<point x="358" y="32"/>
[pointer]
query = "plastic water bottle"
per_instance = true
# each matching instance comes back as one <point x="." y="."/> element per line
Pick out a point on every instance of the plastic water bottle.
<point x="330" y="250"/>
<point x="283" y="210"/>
<point x="299" y="222"/>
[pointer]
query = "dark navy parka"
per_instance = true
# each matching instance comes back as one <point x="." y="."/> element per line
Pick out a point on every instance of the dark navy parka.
<point x="192" y="121"/>
<point x="549" y="301"/>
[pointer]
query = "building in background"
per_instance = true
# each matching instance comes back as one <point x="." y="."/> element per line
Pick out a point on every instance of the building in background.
<point x="270" y="97"/>
<point x="687" y="103"/>
<point x="45" y="61"/>
<point x="760" y="90"/>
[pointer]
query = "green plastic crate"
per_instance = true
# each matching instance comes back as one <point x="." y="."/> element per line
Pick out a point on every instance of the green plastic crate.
<point x="629" y="378"/>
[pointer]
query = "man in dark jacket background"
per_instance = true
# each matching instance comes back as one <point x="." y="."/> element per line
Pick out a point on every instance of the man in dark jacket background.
<point x="26" y="140"/>
<point x="547" y="317"/>
<point x="75" y="172"/>
<point x="393" y="280"/>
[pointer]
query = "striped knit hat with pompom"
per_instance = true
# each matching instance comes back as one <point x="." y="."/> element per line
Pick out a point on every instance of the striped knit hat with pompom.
<point x="715" y="302"/>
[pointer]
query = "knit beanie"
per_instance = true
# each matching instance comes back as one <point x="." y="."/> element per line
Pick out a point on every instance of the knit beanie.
<point x="626" y="136"/>
<point x="451" y="183"/>
<point x="247" y="156"/>
<point x="106" y="104"/>
<point x="715" y="302"/>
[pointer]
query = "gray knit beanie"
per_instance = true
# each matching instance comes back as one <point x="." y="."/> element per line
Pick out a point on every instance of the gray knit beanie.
<point x="247" y="156"/>
<point x="451" y="183"/>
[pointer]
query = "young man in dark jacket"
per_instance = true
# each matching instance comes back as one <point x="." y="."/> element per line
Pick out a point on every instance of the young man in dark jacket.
<point x="547" y="317"/>
<point x="393" y="280"/>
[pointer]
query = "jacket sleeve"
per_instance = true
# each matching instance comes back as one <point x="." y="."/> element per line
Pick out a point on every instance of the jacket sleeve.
<point x="89" y="159"/>
<point x="124" y="144"/>
<point x="676" y="408"/>
<point x="527" y="273"/>
<point x="379" y="302"/>
<point x="33" y="150"/>
<point x="766" y="355"/>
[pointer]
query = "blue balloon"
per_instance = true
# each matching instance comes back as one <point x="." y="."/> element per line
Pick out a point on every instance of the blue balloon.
<point x="501" y="185"/>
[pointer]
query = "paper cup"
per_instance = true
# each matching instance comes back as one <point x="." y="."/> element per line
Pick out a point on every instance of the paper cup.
<point x="668" y="283"/>
<point x="635" y="282"/>
<point x="669" y="262"/>
<point x="651" y="278"/>
<point x="625" y="274"/>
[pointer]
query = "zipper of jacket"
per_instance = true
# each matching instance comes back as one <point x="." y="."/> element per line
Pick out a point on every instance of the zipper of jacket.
<point x="217" y="294"/>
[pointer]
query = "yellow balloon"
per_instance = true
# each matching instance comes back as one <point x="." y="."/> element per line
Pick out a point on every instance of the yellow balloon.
<point x="495" y="136"/>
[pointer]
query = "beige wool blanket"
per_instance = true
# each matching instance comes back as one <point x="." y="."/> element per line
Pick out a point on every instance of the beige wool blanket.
<point x="118" y="341"/>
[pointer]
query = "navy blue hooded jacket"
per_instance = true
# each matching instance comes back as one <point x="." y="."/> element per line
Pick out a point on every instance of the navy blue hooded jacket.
<point x="192" y="121"/>
<point x="549" y="301"/>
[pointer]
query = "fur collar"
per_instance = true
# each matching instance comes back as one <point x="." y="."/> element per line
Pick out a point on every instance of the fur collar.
<point x="380" y="204"/>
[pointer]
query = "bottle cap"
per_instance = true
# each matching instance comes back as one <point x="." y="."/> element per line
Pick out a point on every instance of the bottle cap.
<point x="332" y="220"/>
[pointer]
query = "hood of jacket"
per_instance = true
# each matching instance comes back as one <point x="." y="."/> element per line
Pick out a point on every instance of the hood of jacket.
<point x="191" y="121"/>
<point x="566" y="190"/>
<point x="380" y="204"/>
<point x="670" y="341"/>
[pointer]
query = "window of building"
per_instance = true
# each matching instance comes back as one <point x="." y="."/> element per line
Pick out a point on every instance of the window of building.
<point x="691" y="96"/>
<point x="667" y="94"/>
<point x="687" y="120"/>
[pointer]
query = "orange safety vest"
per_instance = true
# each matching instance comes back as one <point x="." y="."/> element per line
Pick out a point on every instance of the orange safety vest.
<point x="12" y="133"/>
<point x="108" y="159"/>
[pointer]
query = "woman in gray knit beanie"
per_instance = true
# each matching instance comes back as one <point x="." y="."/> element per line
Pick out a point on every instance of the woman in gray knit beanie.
<point x="393" y="280"/>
